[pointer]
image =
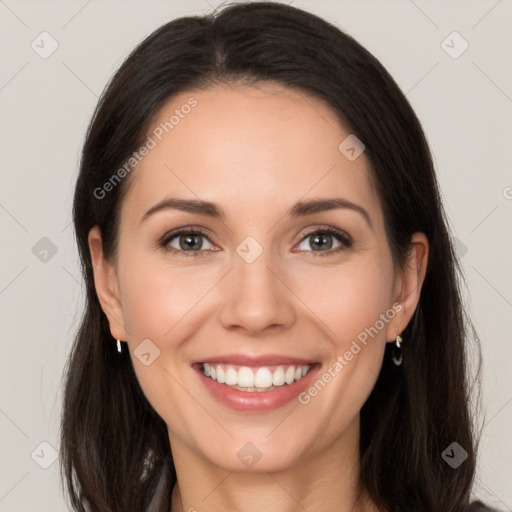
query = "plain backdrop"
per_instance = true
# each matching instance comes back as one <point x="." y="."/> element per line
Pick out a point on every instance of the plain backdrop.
<point x="463" y="101"/>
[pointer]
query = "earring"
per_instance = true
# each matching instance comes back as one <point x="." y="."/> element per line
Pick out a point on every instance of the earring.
<point x="119" y="348"/>
<point x="397" y="351"/>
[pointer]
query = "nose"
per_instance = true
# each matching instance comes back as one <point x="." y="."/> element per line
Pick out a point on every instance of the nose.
<point x="257" y="297"/>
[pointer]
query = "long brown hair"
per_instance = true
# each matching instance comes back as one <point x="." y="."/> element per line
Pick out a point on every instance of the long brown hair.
<point x="115" y="453"/>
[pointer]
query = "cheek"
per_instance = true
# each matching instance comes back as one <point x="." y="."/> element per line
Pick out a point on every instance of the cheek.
<point x="352" y="303"/>
<point x="348" y="299"/>
<point x="162" y="303"/>
<point x="156" y="302"/>
<point x="156" y="297"/>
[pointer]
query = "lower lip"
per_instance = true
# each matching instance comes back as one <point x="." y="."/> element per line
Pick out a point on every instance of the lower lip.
<point x="256" y="401"/>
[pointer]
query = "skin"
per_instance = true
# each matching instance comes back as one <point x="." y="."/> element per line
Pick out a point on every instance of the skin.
<point x="256" y="151"/>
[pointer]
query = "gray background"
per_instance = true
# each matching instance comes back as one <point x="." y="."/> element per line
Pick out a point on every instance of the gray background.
<point x="464" y="103"/>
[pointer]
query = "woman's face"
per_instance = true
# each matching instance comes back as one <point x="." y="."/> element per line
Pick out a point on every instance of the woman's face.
<point x="263" y="288"/>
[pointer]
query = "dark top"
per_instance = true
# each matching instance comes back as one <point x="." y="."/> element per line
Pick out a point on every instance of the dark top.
<point x="478" y="506"/>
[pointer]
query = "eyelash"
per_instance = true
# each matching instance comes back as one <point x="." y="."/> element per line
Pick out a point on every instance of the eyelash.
<point x="343" y="238"/>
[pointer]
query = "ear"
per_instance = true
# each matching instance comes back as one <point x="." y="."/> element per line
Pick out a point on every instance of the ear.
<point x="107" y="287"/>
<point x="408" y="284"/>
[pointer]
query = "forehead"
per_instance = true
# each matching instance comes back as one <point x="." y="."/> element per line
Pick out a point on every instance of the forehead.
<point x="266" y="145"/>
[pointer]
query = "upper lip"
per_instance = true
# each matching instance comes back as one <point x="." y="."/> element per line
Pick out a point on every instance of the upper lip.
<point x="248" y="360"/>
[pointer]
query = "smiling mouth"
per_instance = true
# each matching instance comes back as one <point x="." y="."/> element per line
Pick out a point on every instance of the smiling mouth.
<point x="262" y="378"/>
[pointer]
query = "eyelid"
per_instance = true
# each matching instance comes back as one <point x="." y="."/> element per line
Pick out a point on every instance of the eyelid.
<point x="325" y="228"/>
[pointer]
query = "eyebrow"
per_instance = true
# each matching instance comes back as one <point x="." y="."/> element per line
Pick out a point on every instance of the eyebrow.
<point x="300" y="209"/>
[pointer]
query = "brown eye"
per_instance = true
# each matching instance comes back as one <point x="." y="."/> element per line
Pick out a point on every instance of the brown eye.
<point x="326" y="240"/>
<point x="190" y="241"/>
<point x="186" y="242"/>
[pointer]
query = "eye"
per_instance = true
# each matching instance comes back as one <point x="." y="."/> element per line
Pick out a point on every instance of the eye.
<point x="189" y="242"/>
<point x="186" y="241"/>
<point x="323" y="239"/>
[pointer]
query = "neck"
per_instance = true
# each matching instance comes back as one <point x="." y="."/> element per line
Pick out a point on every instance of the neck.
<point x="326" y="480"/>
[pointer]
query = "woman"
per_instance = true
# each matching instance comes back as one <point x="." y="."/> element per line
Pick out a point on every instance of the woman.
<point x="273" y="318"/>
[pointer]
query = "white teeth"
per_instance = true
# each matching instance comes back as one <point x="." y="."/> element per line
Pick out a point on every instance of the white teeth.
<point x="263" y="378"/>
<point x="278" y="378"/>
<point x="231" y="377"/>
<point x="245" y="377"/>
<point x="260" y="379"/>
